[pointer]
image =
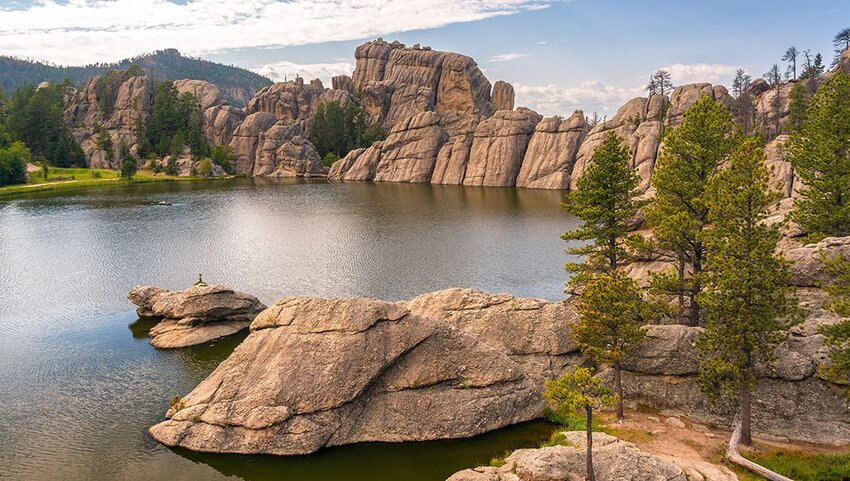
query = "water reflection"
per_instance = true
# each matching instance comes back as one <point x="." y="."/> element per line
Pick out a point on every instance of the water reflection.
<point x="78" y="390"/>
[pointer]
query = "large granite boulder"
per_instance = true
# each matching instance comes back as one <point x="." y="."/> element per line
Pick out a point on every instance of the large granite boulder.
<point x="502" y="97"/>
<point x="499" y="146"/>
<point x="552" y="152"/>
<point x="195" y="315"/>
<point x="359" y="164"/>
<point x="613" y="460"/>
<point x="807" y="269"/>
<point x="207" y="94"/>
<point x="246" y="140"/>
<point x="371" y="61"/>
<point x="454" y="154"/>
<point x="410" y="151"/>
<point x="284" y="151"/>
<point x="293" y="100"/>
<point x="327" y="372"/>
<point x="220" y="122"/>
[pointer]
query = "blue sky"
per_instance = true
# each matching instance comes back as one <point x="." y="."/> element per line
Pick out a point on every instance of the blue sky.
<point x="560" y="55"/>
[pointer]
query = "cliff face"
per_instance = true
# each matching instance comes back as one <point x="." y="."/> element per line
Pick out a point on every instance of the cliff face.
<point x="446" y="124"/>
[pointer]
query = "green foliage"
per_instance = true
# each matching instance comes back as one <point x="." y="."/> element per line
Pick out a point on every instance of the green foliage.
<point x="747" y="299"/>
<point x="36" y="118"/>
<point x="329" y="159"/>
<point x="107" y="85"/>
<point x="171" y="166"/>
<point x="104" y="142"/>
<point x="611" y="315"/>
<point x="837" y="336"/>
<point x="604" y="201"/>
<point x="13" y="164"/>
<point x="579" y="390"/>
<point x="128" y="168"/>
<point x="175" y="122"/>
<point x="222" y="155"/>
<point x="820" y="154"/>
<point x="339" y="130"/>
<point x="162" y="64"/>
<point x="205" y="167"/>
<point x="813" y="69"/>
<point x="798" y="104"/>
<point x="805" y="466"/>
<point x="680" y="213"/>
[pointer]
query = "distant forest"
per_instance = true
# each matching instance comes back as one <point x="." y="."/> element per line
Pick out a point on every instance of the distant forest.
<point x="166" y="64"/>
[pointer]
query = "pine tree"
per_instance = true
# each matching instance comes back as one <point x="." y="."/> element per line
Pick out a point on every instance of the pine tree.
<point x="680" y="213"/>
<point x="837" y="336"/>
<point x="579" y="391"/>
<point x="611" y="315"/>
<point x="841" y="42"/>
<point x="798" y="104"/>
<point x="820" y="155"/>
<point x="791" y="57"/>
<point x="747" y="298"/>
<point x="605" y="200"/>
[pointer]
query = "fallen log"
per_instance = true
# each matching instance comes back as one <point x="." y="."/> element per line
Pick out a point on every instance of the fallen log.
<point x="734" y="456"/>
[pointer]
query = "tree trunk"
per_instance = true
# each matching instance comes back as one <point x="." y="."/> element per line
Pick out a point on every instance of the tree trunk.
<point x="681" y="282"/>
<point x="696" y="287"/>
<point x="734" y="456"/>
<point x="618" y="386"/>
<point x="746" y="433"/>
<point x="589" y="467"/>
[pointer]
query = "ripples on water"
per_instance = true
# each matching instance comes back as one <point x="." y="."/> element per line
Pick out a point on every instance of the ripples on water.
<point x="79" y="382"/>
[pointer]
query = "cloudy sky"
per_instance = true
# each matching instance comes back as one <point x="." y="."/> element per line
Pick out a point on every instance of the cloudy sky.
<point x="560" y="55"/>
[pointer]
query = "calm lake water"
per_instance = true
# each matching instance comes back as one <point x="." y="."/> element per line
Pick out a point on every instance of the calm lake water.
<point x="79" y="382"/>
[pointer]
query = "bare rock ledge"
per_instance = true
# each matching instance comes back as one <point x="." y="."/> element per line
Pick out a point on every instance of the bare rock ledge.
<point x="195" y="315"/>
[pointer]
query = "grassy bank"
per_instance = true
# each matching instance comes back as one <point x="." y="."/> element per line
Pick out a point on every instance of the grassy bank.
<point x="799" y="465"/>
<point x="77" y="178"/>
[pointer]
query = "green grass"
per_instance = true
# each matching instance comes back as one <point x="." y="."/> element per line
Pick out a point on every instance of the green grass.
<point x="800" y="466"/>
<point x="78" y="178"/>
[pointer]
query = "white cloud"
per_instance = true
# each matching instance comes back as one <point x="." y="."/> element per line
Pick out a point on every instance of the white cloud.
<point x="507" y="57"/>
<point x="279" y="71"/>
<point x="700" y="72"/>
<point x="81" y="31"/>
<point x="590" y="96"/>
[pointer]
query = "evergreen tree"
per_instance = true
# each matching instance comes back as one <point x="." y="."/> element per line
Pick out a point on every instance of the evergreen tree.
<point x="837" y="336"/>
<point x="340" y="130"/>
<point x="222" y="155"/>
<point x="605" y="200"/>
<point x="13" y="164"/>
<point x="798" y="104"/>
<point x="580" y="391"/>
<point x="841" y="42"/>
<point x="791" y="57"/>
<point x="128" y="168"/>
<point x="813" y="69"/>
<point x="747" y="297"/>
<point x="820" y="155"/>
<point x="611" y="315"/>
<point x="742" y="107"/>
<point x="680" y="213"/>
<point x="660" y="83"/>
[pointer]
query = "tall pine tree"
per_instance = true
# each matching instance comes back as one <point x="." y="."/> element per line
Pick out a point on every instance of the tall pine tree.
<point x="820" y="155"/>
<point x="611" y="313"/>
<point x="605" y="200"/>
<point x="680" y="213"/>
<point x="747" y="298"/>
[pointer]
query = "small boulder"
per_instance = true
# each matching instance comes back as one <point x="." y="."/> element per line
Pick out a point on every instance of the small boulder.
<point x="195" y="315"/>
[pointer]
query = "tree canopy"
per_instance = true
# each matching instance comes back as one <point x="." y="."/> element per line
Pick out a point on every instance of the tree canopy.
<point x="339" y="130"/>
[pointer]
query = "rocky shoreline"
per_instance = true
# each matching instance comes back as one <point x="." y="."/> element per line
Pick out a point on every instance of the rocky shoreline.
<point x="315" y="373"/>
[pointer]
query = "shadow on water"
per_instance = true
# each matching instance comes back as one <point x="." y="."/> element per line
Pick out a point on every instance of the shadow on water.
<point x="420" y="461"/>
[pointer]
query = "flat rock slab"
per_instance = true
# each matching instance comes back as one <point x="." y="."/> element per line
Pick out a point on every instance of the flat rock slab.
<point x="169" y="334"/>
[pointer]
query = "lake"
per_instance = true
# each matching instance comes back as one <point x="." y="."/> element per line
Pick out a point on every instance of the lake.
<point x="79" y="382"/>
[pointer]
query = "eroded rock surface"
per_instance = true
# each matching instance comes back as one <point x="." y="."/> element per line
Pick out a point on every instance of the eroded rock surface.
<point x="499" y="146"/>
<point x="613" y="460"/>
<point x="326" y="372"/>
<point x="195" y="315"/>
<point x="552" y="151"/>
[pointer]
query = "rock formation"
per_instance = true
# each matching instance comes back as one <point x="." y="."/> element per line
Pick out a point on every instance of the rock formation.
<point x="195" y="315"/>
<point x="326" y="372"/>
<point x="447" y="125"/>
<point x="552" y="152"/>
<point x="499" y="146"/>
<point x="502" y="97"/>
<point x="410" y="151"/>
<point x="613" y="460"/>
<point x="85" y="114"/>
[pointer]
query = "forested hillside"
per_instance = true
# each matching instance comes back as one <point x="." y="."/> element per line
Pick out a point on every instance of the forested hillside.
<point x="237" y="84"/>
